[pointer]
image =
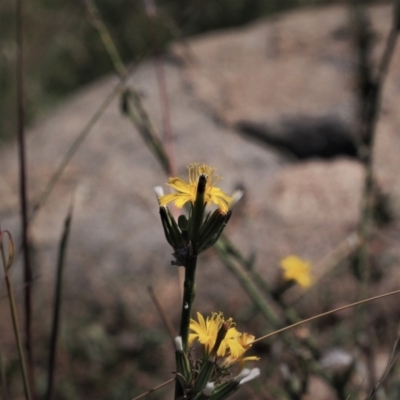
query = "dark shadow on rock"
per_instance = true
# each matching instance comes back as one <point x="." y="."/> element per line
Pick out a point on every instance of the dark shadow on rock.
<point x="304" y="137"/>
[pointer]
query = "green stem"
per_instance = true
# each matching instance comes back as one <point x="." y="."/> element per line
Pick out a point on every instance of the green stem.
<point x="189" y="293"/>
<point x="189" y="286"/>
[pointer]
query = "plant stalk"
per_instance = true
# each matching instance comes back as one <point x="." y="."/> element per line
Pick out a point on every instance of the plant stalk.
<point x="13" y="310"/>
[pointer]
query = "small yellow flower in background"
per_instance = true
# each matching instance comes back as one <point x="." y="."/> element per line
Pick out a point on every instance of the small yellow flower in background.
<point x="297" y="270"/>
<point x="187" y="191"/>
<point x="233" y="345"/>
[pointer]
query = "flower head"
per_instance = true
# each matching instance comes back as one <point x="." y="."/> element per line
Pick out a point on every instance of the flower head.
<point x="297" y="270"/>
<point x="245" y="340"/>
<point x="232" y="346"/>
<point x="206" y="330"/>
<point x="187" y="191"/>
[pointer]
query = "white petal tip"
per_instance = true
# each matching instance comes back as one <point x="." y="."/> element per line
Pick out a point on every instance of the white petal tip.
<point x="242" y="374"/>
<point x="159" y="191"/>
<point x="236" y="198"/>
<point x="208" y="389"/>
<point x="178" y="343"/>
<point x="254" y="373"/>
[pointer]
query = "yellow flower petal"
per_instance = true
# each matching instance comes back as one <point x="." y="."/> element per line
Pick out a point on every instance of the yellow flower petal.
<point x="181" y="186"/>
<point x="206" y="331"/>
<point x="232" y="347"/>
<point x="297" y="270"/>
<point x="230" y="343"/>
<point x="187" y="191"/>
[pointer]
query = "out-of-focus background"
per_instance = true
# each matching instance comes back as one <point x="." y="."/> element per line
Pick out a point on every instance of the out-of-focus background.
<point x="269" y="93"/>
<point x="63" y="51"/>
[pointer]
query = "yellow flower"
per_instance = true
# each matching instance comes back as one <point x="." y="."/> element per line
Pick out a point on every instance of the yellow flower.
<point x="187" y="191"/>
<point x="230" y="343"/>
<point x="206" y="331"/>
<point x="297" y="270"/>
<point x="233" y="345"/>
<point x="245" y="340"/>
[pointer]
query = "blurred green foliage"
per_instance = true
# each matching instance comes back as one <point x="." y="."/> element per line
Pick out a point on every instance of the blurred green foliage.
<point x="62" y="50"/>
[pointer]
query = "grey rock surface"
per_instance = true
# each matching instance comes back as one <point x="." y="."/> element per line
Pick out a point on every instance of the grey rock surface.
<point x="295" y="64"/>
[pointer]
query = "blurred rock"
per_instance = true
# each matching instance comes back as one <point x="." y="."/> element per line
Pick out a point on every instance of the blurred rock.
<point x="296" y="64"/>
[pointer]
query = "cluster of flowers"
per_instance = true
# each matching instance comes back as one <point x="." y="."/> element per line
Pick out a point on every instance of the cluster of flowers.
<point x="223" y="346"/>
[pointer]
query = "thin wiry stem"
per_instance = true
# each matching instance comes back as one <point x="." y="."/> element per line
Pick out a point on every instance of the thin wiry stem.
<point x="152" y="14"/>
<point x="370" y="115"/>
<point x="23" y="193"/>
<point x="167" y="322"/>
<point x="154" y="389"/>
<point x="108" y="43"/>
<point x="165" y="111"/>
<point x="7" y="265"/>
<point x="393" y="357"/>
<point x="75" y="147"/>
<point x="304" y="321"/>
<point x="57" y="304"/>
<point x="133" y="106"/>
<point x="371" y="98"/>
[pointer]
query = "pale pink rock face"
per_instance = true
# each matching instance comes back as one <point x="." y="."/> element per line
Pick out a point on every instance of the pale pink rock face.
<point x="296" y="63"/>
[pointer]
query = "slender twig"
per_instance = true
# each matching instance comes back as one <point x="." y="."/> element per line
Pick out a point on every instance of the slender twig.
<point x="372" y="98"/>
<point x="393" y="357"/>
<point x="165" y="111"/>
<point x="74" y="148"/>
<point x="223" y="248"/>
<point x="304" y="321"/>
<point x="134" y="109"/>
<point x="371" y="87"/>
<point x="7" y="265"/>
<point x="151" y="13"/>
<point x="167" y="322"/>
<point x="23" y="193"/>
<point x="108" y="43"/>
<point x="154" y="389"/>
<point x="133" y="106"/>
<point x="57" y="304"/>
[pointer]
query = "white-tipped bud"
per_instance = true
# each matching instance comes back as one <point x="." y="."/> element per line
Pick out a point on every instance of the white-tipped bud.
<point x="159" y="191"/>
<point x="178" y="343"/>
<point x="235" y="199"/>
<point x="242" y="374"/>
<point x="210" y="386"/>
<point x="254" y="373"/>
